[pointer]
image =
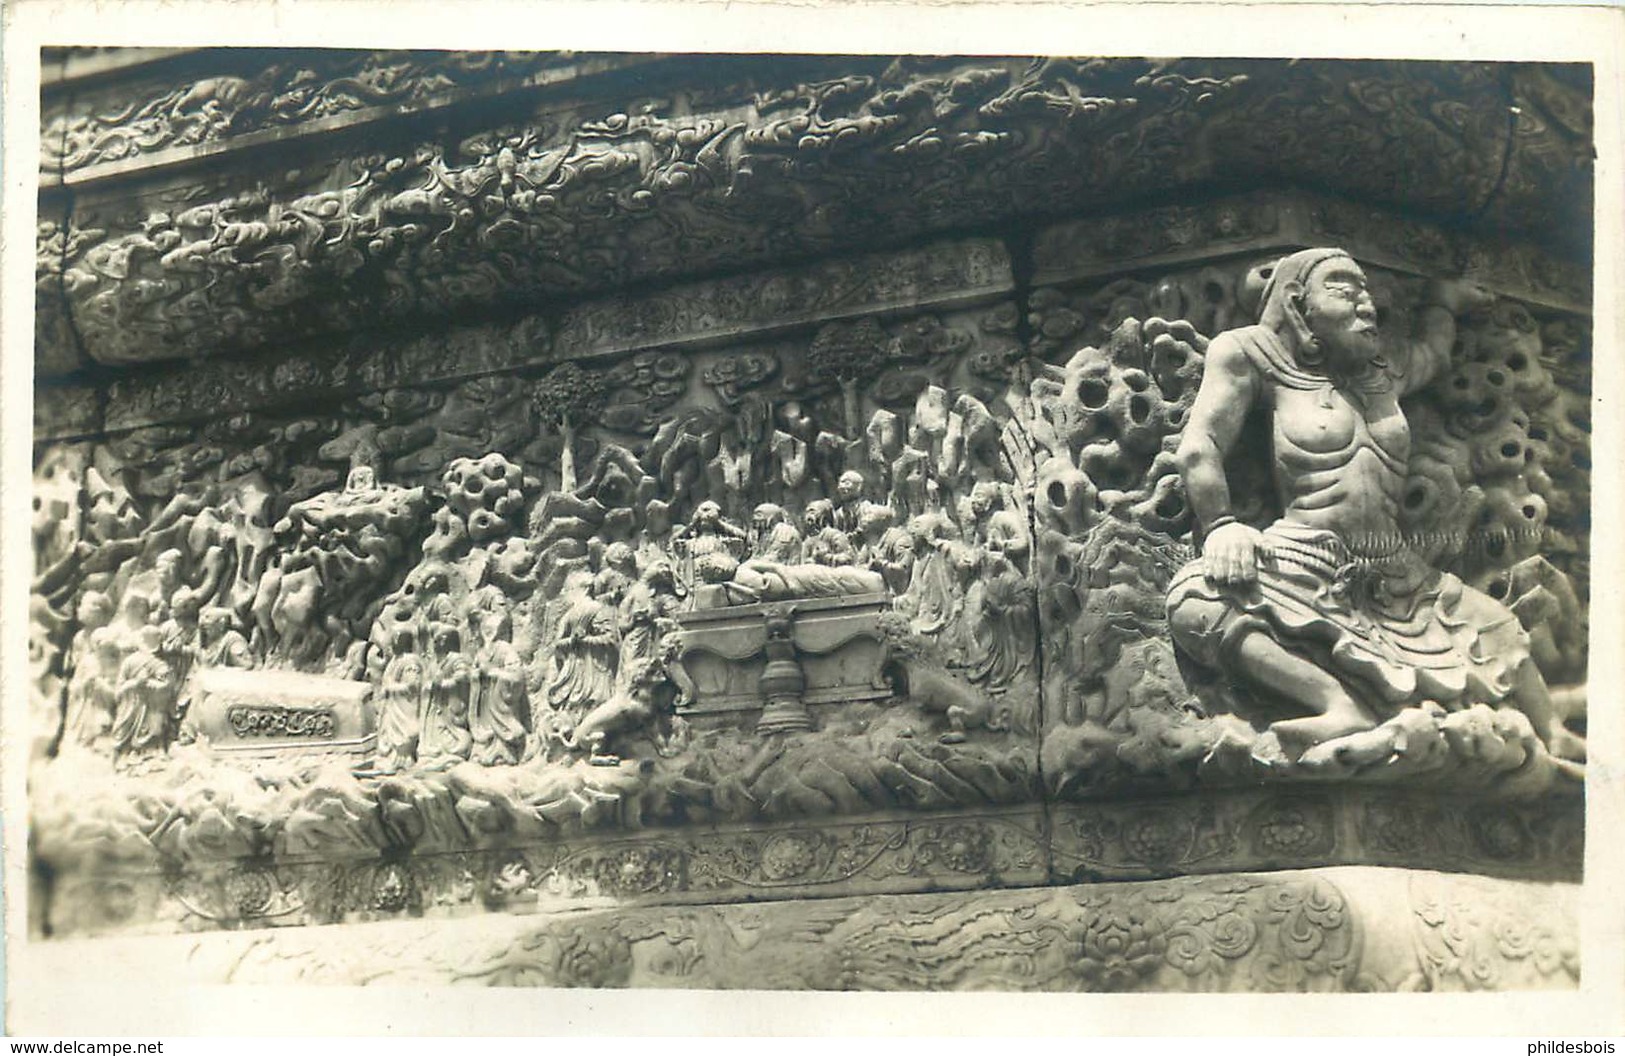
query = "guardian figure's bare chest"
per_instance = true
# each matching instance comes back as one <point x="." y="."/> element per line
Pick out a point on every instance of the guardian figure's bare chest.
<point x="1326" y="425"/>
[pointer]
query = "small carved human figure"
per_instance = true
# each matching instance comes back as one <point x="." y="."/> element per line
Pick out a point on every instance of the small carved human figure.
<point x="931" y="599"/>
<point x="361" y="482"/>
<point x="776" y="536"/>
<point x="93" y="689"/>
<point x="168" y="569"/>
<point x="887" y="548"/>
<point x="618" y="571"/>
<point x="586" y="652"/>
<point x="770" y="581"/>
<point x="1001" y="530"/>
<point x="445" y="735"/>
<point x="220" y="644"/>
<point x="848" y="515"/>
<point x="147" y="694"/>
<point x="964" y="565"/>
<point x="89" y="710"/>
<point x="179" y="641"/>
<point x="401" y="703"/>
<point x="1328" y="615"/>
<point x="645" y="613"/>
<point x="497" y="712"/>
<point x="713" y="544"/>
<point x="826" y="544"/>
<point x="95" y="611"/>
<point x="1000" y="613"/>
<point x="134" y="616"/>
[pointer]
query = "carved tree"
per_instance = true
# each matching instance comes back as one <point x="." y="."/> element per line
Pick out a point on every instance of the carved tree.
<point x="850" y="353"/>
<point x="565" y="397"/>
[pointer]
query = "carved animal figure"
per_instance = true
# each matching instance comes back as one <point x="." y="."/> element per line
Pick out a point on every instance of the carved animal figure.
<point x="919" y="676"/>
<point x="625" y="712"/>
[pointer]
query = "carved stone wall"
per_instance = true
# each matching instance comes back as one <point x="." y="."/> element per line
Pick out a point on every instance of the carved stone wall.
<point x="475" y="483"/>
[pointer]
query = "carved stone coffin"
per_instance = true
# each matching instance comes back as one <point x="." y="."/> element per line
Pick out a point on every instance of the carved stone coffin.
<point x="838" y="646"/>
<point x="260" y="713"/>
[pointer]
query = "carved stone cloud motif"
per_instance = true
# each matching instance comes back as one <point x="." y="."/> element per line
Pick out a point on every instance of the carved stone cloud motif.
<point x="688" y="483"/>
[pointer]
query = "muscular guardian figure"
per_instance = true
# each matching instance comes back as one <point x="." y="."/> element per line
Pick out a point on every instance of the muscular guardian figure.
<point x="1326" y="618"/>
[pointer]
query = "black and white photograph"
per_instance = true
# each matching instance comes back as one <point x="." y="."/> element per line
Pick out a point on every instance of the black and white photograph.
<point x="873" y="513"/>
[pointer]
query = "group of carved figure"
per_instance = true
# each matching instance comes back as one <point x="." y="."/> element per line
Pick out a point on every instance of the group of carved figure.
<point x="210" y="584"/>
<point x="1321" y="624"/>
<point x="452" y="685"/>
<point x="958" y="573"/>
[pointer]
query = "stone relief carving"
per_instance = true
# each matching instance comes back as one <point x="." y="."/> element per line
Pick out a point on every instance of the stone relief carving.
<point x="1481" y="527"/>
<point x="274" y="94"/>
<point x="1292" y="932"/>
<point x="657" y="188"/>
<point x="878" y="564"/>
<point x="743" y="505"/>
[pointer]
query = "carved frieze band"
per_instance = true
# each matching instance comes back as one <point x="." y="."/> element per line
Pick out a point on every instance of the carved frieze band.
<point x="1243" y="831"/>
<point x="946" y="275"/>
<point x="752" y="308"/>
<point x="873" y="855"/>
<point x="867" y="572"/>
<point x="744" y="309"/>
<point x="600" y="195"/>
<point x="1092" y="247"/>
<point x="1097" y="842"/>
<point x="241" y="98"/>
<point x="1350" y="929"/>
<point x="372" y="364"/>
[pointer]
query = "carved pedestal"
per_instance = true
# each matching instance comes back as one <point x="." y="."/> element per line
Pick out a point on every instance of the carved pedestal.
<point x="781" y="657"/>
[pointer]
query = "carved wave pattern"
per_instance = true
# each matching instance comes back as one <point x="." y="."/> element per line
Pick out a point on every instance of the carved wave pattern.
<point x="1285" y="933"/>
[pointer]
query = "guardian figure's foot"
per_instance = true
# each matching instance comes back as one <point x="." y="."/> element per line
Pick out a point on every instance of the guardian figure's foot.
<point x="1299" y="735"/>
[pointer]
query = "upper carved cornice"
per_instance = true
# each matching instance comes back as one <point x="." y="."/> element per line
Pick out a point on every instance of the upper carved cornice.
<point x="207" y="203"/>
<point x="112" y="116"/>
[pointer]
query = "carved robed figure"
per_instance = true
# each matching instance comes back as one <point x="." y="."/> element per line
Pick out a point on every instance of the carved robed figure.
<point x="1327" y="620"/>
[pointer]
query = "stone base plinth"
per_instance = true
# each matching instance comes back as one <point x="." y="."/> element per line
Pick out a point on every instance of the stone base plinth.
<point x="1355" y="928"/>
<point x="1219" y="833"/>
